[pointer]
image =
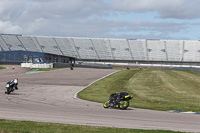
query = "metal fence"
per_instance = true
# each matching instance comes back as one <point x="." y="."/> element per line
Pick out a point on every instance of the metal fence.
<point x="192" y="69"/>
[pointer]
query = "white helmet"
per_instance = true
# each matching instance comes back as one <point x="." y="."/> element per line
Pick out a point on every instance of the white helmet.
<point x="15" y="80"/>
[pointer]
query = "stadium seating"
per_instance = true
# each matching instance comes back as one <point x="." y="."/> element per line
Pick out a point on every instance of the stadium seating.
<point x="197" y="51"/>
<point x="30" y="43"/>
<point x="138" y="49"/>
<point x="67" y="46"/>
<point x="3" y="45"/>
<point x="174" y="50"/>
<point x="105" y="48"/>
<point x="156" y="50"/>
<point x="191" y="51"/>
<point x="120" y="49"/>
<point x="85" y="48"/>
<point x="12" y="42"/>
<point x="48" y="45"/>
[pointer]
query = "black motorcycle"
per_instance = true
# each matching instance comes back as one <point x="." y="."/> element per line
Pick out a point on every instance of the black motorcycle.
<point x="11" y="86"/>
<point x="9" y="89"/>
<point x="118" y="100"/>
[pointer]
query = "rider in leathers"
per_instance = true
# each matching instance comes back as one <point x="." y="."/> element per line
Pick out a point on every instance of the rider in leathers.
<point x="13" y="84"/>
<point x="118" y="96"/>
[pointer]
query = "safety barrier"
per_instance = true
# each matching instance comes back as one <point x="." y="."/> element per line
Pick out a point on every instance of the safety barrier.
<point x="43" y="65"/>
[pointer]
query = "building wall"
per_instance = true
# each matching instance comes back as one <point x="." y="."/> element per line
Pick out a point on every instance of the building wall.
<point x="29" y="56"/>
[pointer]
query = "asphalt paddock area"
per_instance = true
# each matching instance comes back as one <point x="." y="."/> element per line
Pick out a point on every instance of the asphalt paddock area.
<point x="49" y="97"/>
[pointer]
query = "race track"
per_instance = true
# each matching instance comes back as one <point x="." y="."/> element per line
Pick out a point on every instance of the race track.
<point x="49" y="97"/>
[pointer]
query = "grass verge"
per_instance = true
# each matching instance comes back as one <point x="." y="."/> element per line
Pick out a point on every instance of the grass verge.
<point x="152" y="89"/>
<point x="101" y="90"/>
<point x="49" y="69"/>
<point x="2" y="68"/>
<point x="10" y="126"/>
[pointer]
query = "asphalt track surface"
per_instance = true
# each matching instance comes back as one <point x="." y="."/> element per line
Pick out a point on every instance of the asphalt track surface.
<point x="49" y="97"/>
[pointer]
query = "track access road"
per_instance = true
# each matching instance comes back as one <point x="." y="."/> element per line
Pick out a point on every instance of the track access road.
<point x="49" y="97"/>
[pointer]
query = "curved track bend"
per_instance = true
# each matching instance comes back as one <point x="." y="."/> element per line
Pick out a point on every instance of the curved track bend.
<point x="49" y="97"/>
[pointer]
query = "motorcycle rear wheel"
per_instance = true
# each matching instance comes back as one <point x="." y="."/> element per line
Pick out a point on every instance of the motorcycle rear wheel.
<point x="106" y="104"/>
<point x="124" y="104"/>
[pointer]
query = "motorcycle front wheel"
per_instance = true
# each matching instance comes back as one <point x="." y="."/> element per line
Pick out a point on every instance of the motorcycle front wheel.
<point x="106" y="104"/>
<point x="124" y="104"/>
<point x="8" y="91"/>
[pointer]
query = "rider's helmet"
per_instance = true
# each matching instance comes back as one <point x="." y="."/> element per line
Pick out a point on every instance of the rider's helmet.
<point x="15" y="80"/>
<point x="124" y="93"/>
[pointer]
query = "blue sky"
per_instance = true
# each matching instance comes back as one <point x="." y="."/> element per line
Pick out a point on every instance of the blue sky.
<point x="137" y="19"/>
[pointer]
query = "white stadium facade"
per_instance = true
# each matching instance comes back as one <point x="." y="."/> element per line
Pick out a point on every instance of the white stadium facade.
<point x="99" y="49"/>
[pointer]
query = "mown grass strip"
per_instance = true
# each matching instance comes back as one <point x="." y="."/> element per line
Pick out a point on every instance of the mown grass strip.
<point x="165" y="90"/>
<point x="152" y="89"/>
<point x="2" y="68"/>
<point x="101" y="90"/>
<point x="10" y="126"/>
<point x="49" y="69"/>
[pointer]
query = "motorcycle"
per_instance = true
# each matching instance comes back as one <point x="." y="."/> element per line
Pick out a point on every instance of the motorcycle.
<point x="11" y="85"/>
<point x="118" y="100"/>
<point x="9" y="89"/>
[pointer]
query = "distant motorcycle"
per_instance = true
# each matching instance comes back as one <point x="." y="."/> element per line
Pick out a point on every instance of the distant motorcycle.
<point x="118" y="100"/>
<point x="11" y="86"/>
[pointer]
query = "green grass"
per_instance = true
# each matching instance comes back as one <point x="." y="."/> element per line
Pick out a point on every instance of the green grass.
<point x="49" y="69"/>
<point x="101" y="90"/>
<point x="152" y="89"/>
<point x="10" y="126"/>
<point x="2" y="67"/>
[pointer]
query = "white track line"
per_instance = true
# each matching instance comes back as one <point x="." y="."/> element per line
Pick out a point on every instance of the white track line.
<point x="75" y="95"/>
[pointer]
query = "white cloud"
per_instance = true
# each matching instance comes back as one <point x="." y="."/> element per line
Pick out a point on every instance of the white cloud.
<point x="90" y="18"/>
<point x="180" y="9"/>
<point x="11" y="9"/>
<point x="7" y="27"/>
<point x="64" y="8"/>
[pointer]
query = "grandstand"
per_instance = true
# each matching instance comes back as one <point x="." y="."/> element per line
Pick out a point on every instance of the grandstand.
<point x="101" y="49"/>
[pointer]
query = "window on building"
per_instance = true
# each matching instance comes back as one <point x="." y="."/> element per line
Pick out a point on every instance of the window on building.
<point x="91" y="48"/>
<point x="46" y="59"/>
<point x="127" y="49"/>
<point x="42" y="47"/>
<point x="149" y="50"/>
<point x="78" y="48"/>
<point x="9" y="45"/>
<point x="185" y="50"/>
<point x="113" y="49"/>
<point x="21" y="46"/>
<point x="163" y="50"/>
<point x="55" y="47"/>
